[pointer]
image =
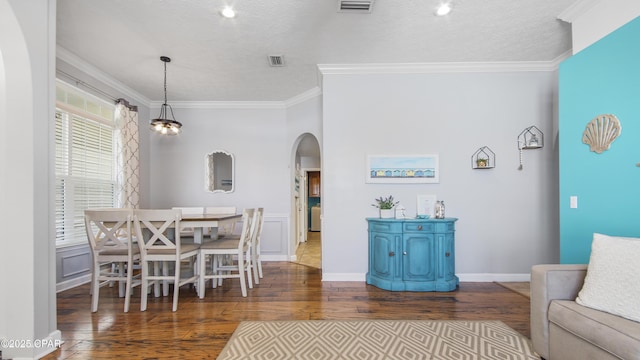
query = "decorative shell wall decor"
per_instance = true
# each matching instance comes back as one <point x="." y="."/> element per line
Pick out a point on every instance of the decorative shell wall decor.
<point x="601" y="131"/>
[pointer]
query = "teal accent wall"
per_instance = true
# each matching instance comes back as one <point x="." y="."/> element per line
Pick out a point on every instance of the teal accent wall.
<point x="601" y="79"/>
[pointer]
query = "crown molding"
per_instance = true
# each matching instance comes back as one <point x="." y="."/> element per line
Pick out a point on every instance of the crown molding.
<point x="84" y="66"/>
<point x="222" y="104"/>
<point x="564" y="56"/>
<point x="307" y="95"/>
<point x="440" y="67"/>
<point x="577" y="9"/>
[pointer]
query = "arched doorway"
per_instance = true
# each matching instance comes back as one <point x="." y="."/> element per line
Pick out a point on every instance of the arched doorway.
<point x="307" y="202"/>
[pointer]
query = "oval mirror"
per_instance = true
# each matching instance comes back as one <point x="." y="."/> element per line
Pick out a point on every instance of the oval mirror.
<point x="219" y="170"/>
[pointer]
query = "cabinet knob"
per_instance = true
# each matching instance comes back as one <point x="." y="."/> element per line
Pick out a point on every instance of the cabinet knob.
<point x="447" y="254"/>
<point x="391" y="253"/>
<point x="404" y="253"/>
<point x="419" y="227"/>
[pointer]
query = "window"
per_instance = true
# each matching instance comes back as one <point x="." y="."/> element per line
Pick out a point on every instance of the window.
<point x="85" y="160"/>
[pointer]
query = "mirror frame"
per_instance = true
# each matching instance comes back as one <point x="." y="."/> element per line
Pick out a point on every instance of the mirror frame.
<point x="208" y="172"/>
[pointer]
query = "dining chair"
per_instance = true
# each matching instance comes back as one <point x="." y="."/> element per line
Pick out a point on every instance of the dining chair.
<point x="158" y="249"/>
<point x="256" y="262"/>
<point x="228" y="228"/>
<point x="239" y="247"/>
<point x="110" y="239"/>
<point x="186" y="234"/>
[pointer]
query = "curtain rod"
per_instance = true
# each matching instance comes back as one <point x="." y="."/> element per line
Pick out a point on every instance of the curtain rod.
<point x="80" y="82"/>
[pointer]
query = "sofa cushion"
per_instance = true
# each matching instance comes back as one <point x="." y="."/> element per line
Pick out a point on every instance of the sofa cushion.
<point x="611" y="283"/>
<point x="614" y="334"/>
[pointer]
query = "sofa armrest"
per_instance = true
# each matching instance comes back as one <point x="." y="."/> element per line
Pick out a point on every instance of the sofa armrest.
<point x="551" y="282"/>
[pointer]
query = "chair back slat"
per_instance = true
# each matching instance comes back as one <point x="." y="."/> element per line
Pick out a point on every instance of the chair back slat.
<point x="258" y="230"/>
<point x="249" y="231"/>
<point x="108" y="228"/>
<point x="248" y="216"/>
<point x="158" y="224"/>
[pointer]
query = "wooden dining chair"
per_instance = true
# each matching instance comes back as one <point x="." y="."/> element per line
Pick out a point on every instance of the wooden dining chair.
<point x="158" y="249"/>
<point x="109" y="233"/>
<point x="228" y="248"/>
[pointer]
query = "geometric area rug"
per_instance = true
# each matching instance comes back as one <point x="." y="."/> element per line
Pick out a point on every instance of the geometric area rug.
<point x="377" y="339"/>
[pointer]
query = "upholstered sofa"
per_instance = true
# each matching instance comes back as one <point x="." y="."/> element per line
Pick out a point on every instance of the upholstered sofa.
<point x="561" y="329"/>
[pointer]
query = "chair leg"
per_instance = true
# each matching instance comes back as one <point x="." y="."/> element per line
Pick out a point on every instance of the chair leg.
<point x="121" y="285"/>
<point x="243" y="285"/>
<point x="95" y="287"/>
<point x="165" y="272"/>
<point x="127" y="291"/>
<point x="254" y="266"/>
<point x="144" y="286"/>
<point x="202" y="265"/>
<point x="214" y="271"/>
<point x="156" y="284"/>
<point x="176" y="285"/>
<point x="247" y="267"/>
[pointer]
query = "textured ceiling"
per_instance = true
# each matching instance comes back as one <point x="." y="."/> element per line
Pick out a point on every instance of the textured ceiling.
<point x="219" y="59"/>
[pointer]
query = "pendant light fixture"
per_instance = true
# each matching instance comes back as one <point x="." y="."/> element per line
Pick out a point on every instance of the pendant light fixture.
<point x="163" y="124"/>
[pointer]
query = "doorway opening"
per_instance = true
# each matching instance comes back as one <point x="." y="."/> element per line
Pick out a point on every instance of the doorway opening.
<point x="308" y="199"/>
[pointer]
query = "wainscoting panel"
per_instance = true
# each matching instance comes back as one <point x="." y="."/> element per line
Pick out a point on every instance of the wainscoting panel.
<point x="73" y="265"/>
<point x="275" y="235"/>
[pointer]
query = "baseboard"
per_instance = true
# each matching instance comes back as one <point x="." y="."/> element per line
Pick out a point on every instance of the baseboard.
<point x="494" y="277"/>
<point x="343" y="276"/>
<point x="52" y="342"/>
<point x="490" y="277"/>
<point x="265" y="258"/>
<point x="70" y="284"/>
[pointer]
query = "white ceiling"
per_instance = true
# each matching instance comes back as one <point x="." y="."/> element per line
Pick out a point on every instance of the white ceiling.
<point x="219" y="59"/>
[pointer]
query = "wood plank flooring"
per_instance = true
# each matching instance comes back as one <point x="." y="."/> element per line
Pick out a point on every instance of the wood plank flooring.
<point x="288" y="291"/>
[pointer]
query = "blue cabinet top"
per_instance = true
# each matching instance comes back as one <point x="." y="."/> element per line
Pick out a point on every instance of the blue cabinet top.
<point x="414" y="220"/>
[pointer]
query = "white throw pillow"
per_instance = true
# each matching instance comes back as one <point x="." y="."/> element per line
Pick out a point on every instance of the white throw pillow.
<point x="612" y="283"/>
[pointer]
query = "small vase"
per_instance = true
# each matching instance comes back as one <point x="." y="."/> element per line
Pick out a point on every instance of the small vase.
<point x="387" y="214"/>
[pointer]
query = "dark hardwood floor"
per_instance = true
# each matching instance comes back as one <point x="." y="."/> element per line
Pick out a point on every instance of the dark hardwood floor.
<point x="288" y="291"/>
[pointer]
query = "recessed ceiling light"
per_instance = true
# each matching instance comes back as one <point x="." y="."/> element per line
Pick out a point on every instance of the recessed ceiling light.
<point x="443" y="9"/>
<point x="228" y="12"/>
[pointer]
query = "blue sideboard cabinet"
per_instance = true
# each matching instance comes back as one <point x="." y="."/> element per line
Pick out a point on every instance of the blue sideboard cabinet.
<point x="412" y="254"/>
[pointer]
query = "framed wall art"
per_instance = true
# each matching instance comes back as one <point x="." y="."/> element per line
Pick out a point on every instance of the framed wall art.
<point x="403" y="169"/>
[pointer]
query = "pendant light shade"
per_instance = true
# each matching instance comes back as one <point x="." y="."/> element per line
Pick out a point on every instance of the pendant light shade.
<point x="163" y="124"/>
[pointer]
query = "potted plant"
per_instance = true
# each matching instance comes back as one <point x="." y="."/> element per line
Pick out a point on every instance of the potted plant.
<point x="482" y="162"/>
<point x="386" y="206"/>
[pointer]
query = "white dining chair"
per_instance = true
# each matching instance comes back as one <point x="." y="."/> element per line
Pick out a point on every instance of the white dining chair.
<point x="157" y="249"/>
<point x="256" y="262"/>
<point x="186" y="234"/>
<point x="109" y="233"/>
<point x="228" y="228"/>
<point x="228" y="248"/>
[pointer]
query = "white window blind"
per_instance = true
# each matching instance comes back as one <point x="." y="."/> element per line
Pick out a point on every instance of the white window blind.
<point x="85" y="161"/>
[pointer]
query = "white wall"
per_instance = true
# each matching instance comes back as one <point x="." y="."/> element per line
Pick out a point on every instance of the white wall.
<point x="27" y="40"/>
<point x="508" y="218"/>
<point x="303" y="117"/>
<point x="256" y="138"/>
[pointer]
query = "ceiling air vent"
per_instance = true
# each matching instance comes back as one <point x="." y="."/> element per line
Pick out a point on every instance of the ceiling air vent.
<point x="276" y="60"/>
<point x="355" y="6"/>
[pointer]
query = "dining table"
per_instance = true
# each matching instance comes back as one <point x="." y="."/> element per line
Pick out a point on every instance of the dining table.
<point x="198" y="222"/>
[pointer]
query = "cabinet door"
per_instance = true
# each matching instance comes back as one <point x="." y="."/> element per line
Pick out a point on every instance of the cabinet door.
<point x="418" y="257"/>
<point x="382" y="255"/>
<point x="314" y="183"/>
<point x="448" y="256"/>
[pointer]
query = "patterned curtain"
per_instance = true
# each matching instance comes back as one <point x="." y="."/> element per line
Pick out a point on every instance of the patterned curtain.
<point x="128" y="156"/>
